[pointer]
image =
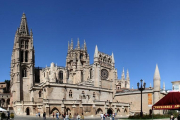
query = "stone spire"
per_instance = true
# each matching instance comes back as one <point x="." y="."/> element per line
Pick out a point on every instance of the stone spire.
<point x="113" y="61"/>
<point x="31" y="33"/>
<point x="122" y="75"/>
<point x="127" y="76"/>
<point x="71" y="44"/>
<point x="156" y="73"/>
<point x="68" y="46"/>
<point x="85" y="48"/>
<point x="163" y="86"/>
<point x="96" y="52"/>
<point x="23" y="29"/>
<point x="78" y="44"/>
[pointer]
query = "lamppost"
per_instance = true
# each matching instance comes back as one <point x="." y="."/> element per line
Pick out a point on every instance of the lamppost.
<point x="141" y="88"/>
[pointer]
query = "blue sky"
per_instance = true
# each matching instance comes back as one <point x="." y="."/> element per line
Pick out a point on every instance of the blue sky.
<point x="140" y="33"/>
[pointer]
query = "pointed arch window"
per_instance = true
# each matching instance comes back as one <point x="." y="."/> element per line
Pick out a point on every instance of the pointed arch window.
<point x="26" y="56"/>
<point x="26" y="44"/>
<point x="125" y="84"/>
<point x="39" y="94"/>
<point x="22" y="44"/>
<point x="61" y="75"/>
<point x="24" y="72"/>
<point x="70" y="93"/>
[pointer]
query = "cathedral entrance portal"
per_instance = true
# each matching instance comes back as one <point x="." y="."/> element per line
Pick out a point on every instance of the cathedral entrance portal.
<point x="27" y="111"/>
<point x="109" y="111"/>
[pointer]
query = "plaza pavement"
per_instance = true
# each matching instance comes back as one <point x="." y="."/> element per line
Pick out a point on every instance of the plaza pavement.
<point x="50" y="118"/>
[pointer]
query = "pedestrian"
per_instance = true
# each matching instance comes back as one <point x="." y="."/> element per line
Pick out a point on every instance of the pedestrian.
<point x="44" y="116"/>
<point x="53" y="115"/>
<point x="78" y="117"/>
<point x="171" y="117"/>
<point x="82" y="117"/>
<point x="104" y="116"/>
<point x="101" y="116"/>
<point x="178" y="117"/>
<point x="39" y="114"/>
<point x="113" y="116"/>
<point x="67" y="117"/>
<point x="64" y="115"/>
<point x="57" y="115"/>
<point x="110" y="116"/>
<point x="70" y="116"/>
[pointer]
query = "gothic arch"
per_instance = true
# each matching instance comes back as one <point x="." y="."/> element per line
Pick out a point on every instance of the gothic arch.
<point x="118" y="110"/>
<point x="99" y="111"/>
<point x="110" y="111"/>
<point x="55" y="110"/>
<point x="27" y="111"/>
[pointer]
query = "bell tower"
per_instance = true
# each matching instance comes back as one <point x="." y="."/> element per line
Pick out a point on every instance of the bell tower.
<point x="22" y="63"/>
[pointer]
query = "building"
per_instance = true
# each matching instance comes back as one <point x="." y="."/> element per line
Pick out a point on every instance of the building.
<point x="79" y="87"/>
<point x="4" y="95"/>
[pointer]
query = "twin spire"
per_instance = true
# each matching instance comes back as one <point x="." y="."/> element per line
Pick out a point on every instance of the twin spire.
<point x="70" y="46"/>
<point x="123" y="75"/>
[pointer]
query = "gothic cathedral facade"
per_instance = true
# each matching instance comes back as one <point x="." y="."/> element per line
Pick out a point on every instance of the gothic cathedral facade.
<point x="79" y="87"/>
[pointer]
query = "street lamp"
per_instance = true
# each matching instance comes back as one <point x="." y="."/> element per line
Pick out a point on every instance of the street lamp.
<point x="141" y="88"/>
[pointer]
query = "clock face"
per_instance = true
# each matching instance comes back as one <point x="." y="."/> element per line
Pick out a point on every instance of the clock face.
<point x="104" y="74"/>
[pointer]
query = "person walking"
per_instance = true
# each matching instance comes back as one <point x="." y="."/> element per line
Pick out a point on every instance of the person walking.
<point x="82" y="117"/>
<point x="171" y="117"/>
<point x="67" y="117"/>
<point x="101" y="116"/>
<point x="78" y="117"/>
<point x="39" y="114"/>
<point x="178" y="117"/>
<point x="70" y="116"/>
<point x="44" y="116"/>
<point x="53" y="115"/>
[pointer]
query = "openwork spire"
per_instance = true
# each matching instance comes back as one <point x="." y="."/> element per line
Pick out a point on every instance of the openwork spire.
<point x="23" y="29"/>
<point x="85" y="48"/>
<point x="113" y="61"/>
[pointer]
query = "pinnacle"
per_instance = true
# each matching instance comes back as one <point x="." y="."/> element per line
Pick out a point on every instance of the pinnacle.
<point x="156" y="73"/>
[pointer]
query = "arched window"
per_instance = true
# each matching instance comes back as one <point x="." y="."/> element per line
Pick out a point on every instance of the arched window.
<point x="26" y="56"/>
<point x="83" y="92"/>
<point x="44" y="74"/>
<point x="39" y="94"/>
<point x="61" y="75"/>
<point x="22" y="56"/>
<point x="70" y="93"/>
<point x="26" y="44"/>
<point x="94" y="95"/>
<point x="24" y="72"/>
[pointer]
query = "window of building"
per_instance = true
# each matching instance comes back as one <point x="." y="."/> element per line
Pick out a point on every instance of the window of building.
<point x="82" y="76"/>
<point x="24" y="73"/>
<point x="94" y="95"/>
<point x="61" y="75"/>
<point x="22" y="56"/>
<point x="22" y="44"/>
<point x="26" y="56"/>
<point x="26" y="44"/>
<point x="90" y="73"/>
<point x="70" y="93"/>
<point x="44" y="74"/>
<point x="39" y="94"/>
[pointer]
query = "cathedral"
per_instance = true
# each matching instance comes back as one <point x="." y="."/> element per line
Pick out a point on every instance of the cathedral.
<point x="78" y="87"/>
